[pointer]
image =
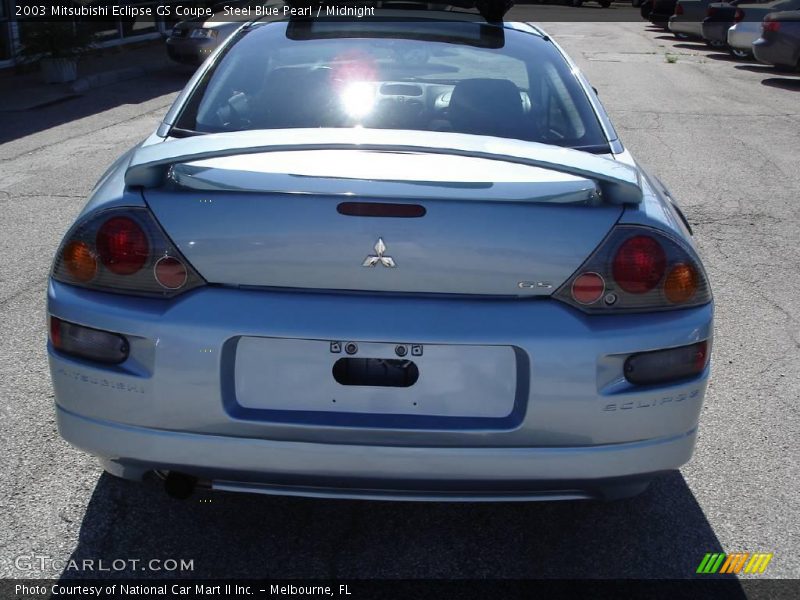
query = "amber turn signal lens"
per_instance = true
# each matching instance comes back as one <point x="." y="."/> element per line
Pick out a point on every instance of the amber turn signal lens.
<point x="80" y="261"/>
<point x="681" y="283"/>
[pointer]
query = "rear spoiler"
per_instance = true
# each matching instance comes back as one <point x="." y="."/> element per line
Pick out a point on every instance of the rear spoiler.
<point x="619" y="183"/>
<point x="491" y="10"/>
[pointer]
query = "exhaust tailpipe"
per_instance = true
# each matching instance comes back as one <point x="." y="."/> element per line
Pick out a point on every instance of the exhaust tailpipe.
<point x="179" y="485"/>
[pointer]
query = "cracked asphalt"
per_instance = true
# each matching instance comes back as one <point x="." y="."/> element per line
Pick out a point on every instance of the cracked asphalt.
<point x="722" y="135"/>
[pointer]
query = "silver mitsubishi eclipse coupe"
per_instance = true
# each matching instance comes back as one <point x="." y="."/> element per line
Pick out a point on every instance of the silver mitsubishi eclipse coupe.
<point x="403" y="256"/>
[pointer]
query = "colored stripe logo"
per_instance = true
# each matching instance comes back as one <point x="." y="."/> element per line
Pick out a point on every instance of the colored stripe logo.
<point x="719" y="562"/>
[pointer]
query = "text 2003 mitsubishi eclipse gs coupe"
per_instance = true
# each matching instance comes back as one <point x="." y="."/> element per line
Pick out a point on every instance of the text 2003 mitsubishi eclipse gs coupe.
<point x="400" y="257"/>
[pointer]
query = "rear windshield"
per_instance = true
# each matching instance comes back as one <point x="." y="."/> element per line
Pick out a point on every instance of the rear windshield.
<point x="463" y="77"/>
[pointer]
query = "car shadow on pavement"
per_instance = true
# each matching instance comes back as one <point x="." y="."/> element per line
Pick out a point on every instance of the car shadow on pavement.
<point x="728" y="57"/>
<point x="784" y="83"/>
<point x="689" y="45"/>
<point x="662" y="533"/>
<point x="15" y="124"/>
<point x="756" y="68"/>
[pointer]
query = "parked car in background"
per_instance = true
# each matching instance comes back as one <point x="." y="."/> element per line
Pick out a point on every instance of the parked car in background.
<point x="747" y="28"/>
<point x="720" y="16"/>
<point x="688" y="18"/>
<point x="779" y="44"/>
<point x="661" y="11"/>
<point x="192" y="41"/>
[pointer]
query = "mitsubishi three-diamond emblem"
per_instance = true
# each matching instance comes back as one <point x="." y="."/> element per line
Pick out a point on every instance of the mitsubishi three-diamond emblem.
<point x="378" y="257"/>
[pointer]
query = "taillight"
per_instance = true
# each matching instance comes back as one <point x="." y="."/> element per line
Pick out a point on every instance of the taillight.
<point x="711" y="11"/>
<point x="679" y="9"/>
<point x="664" y="366"/>
<point x="88" y="343"/>
<point x="637" y="269"/>
<point x="122" y="245"/>
<point x="771" y="26"/>
<point x="123" y="250"/>
<point x="738" y="15"/>
<point x="639" y="264"/>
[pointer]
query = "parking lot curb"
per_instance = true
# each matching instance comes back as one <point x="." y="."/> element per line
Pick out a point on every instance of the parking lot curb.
<point x="96" y="80"/>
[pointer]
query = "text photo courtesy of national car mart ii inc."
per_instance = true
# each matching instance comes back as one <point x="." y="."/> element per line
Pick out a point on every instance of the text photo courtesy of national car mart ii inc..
<point x="193" y="590"/>
<point x="188" y="10"/>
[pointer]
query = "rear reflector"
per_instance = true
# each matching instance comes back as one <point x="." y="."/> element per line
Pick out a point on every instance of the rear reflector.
<point x="88" y="343"/>
<point x="663" y="366"/>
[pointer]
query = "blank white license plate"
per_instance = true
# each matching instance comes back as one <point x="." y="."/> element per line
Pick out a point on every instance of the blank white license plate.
<point x="445" y="380"/>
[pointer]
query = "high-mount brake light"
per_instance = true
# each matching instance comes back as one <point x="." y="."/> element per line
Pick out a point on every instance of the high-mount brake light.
<point x="637" y="269"/>
<point x="123" y="250"/>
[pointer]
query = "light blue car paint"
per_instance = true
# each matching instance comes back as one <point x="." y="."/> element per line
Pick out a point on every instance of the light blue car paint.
<point x="283" y="276"/>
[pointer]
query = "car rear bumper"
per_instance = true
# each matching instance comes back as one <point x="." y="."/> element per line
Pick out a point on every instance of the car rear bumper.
<point x="659" y="18"/>
<point x="716" y="31"/>
<point x="742" y="35"/>
<point x="380" y="472"/>
<point x="181" y="400"/>
<point x="692" y="28"/>
<point x="777" y="52"/>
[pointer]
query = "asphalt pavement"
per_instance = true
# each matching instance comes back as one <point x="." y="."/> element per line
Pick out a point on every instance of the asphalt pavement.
<point x="722" y="135"/>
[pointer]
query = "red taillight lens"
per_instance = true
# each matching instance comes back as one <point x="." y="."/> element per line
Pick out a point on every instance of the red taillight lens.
<point x="679" y="9"/>
<point x="122" y="245"/>
<point x="639" y="264"/>
<point x="771" y="26"/>
<point x="711" y="11"/>
<point x="588" y="288"/>
<point x="739" y="15"/>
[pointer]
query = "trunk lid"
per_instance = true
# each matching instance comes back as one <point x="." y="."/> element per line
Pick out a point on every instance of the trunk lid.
<point x="480" y="226"/>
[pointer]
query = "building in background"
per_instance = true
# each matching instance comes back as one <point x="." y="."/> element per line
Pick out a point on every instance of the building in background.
<point x="115" y="31"/>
